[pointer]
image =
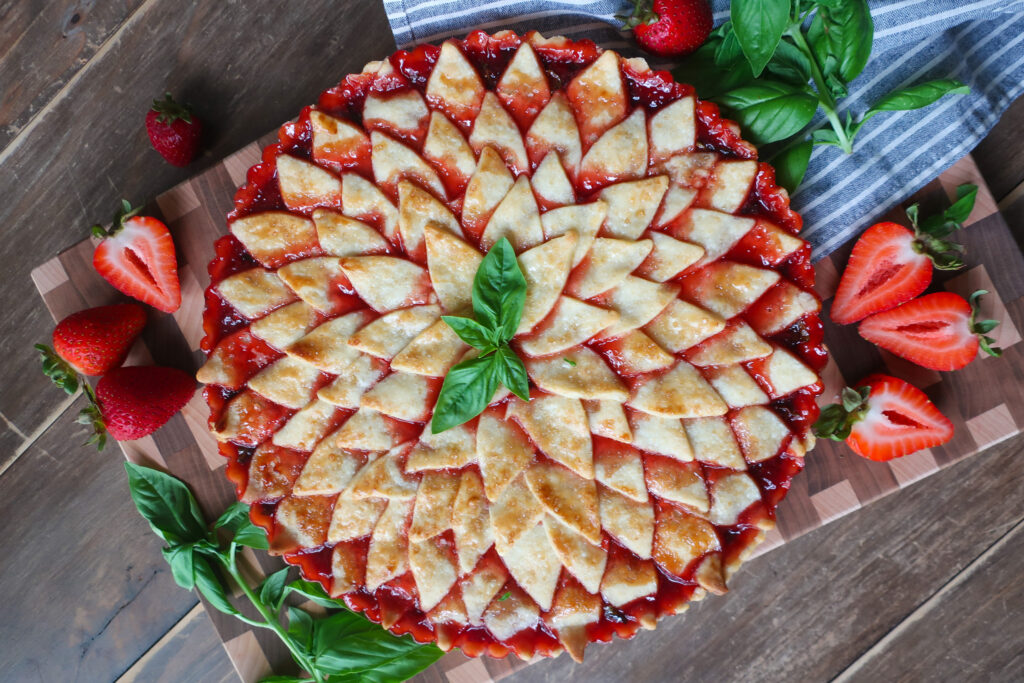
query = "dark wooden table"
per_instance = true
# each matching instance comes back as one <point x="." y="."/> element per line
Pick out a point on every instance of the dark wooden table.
<point x="923" y="585"/>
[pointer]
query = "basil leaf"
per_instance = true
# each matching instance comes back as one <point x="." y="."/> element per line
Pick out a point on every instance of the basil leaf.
<point x="271" y="590"/>
<point x="471" y="332"/>
<point x="825" y="136"/>
<point x="315" y="592"/>
<point x="468" y="388"/>
<point x="211" y="587"/>
<point x="728" y="52"/>
<point x="715" y="68"/>
<point x="759" y="25"/>
<point x="791" y="164"/>
<point x="770" y="111"/>
<point x="512" y="373"/>
<point x="790" y="64"/>
<point x="166" y="503"/>
<point x="964" y="204"/>
<point x="499" y="290"/>
<point x="348" y="647"/>
<point x="179" y="557"/>
<point x="233" y="517"/>
<point x="846" y="31"/>
<point x="252" y="536"/>
<point x="920" y="95"/>
<point x="301" y="627"/>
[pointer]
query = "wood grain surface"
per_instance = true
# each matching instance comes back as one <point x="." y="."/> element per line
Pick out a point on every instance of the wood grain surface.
<point x="77" y="556"/>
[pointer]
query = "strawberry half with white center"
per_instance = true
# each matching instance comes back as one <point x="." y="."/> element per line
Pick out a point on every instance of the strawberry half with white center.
<point x="891" y="264"/>
<point x="884" y="418"/>
<point x="130" y="403"/>
<point x="173" y="130"/>
<point x="936" y="331"/>
<point x="670" y="28"/>
<point x="137" y="257"/>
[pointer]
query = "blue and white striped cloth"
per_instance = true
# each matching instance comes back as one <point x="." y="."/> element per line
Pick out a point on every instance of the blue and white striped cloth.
<point x="980" y="42"/>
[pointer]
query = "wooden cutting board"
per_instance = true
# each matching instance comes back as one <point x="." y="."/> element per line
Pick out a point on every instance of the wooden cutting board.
<point x="985" y="401"/>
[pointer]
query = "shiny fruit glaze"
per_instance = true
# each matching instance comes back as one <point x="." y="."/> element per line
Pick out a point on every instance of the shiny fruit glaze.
<point x="394" y="603"/>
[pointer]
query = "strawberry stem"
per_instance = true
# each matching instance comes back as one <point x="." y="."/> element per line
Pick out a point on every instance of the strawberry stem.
<point x="837" y="420"/>
<point x="117" y="224"/>
<point x="643" y="14"/>
<point x="930" y="232"/>
<point x="170" y="111"/>
<point x="58" y="369"/>
<point x="983" y="327"/>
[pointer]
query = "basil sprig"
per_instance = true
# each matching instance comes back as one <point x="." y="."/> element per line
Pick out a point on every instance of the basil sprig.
<point x="341" y="646"/>
<point x="777" y="62"/>
<point x="499" y="294"/>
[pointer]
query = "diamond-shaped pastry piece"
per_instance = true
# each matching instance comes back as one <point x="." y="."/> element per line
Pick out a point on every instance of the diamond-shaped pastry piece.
<point x="677" y="200"/>
<point x="583" y="219"/>
<point x="220" y="367"/>
<point x="511" y="615"/>
<point x="451" y="449"/>
<point x="516" y="217"/>
<point x="669" y="257"/>
<point x="661" y="435"/>
<point x="488" y="186"/>
<point x="761" y="432"/>
<point x="608" y="419"/>
<point x="611" y="260"/>
<point x="394" y="162"/>
<point x="635" y="353"/>
<point x="715" y="231"/>
<point x="418" y="209"/>
<point x="432" y="352"/>
<point x="433" y="570"/>
<point x="288" y="381"/>
<point x="273" y="237"/>
<point x="627" y="578"/>
<point x="581" y="373"/>
<point x="433" y="511"/>
<point x="452" y="265"/>
<point x="546" y="269"/>
<point x="362" y="200"/>
<point x="249" y="419"/>
<point x="572" y="323"/>
<point x="551" y="184"/>
<point x="673" y="129"/>
<point x="305" y="429"/>
<point x="559" y="427"/>
<point x="502" y="451"/>
<point x="301" y="522"/>
<point x="619" y="154"/>
<point x="315" y="280"/>
<point x="534" y="564"/>
<point x="326" y="346"/>
<point x="598" y="95"/>
<point x="454" y="85"/>
<point x="382" y="477"/>
<point x="495" y="128"/>
<point x="567" y="496"/>
<point x="523" y="88"/>
<point x="782" y="305"/>
<point x="681" y="538"/>
<point x="390" y="333"/>
<point x="630" y="522"/>
<point x="343" y="236"/>
<point x="786" y="374"/>
<point x="362" y="373"/>
<point x="636" y="301"/>
<point x="676" y="481"/>
<point x="620" y="467"/>
<point x="735" y="344"/>
<point x="403" y="396"/>
<point x="401" y="113"/>
<point x="272" y="472"/>
<point x="471" y="522"/>
<point x="254" y="292"/>
<point x="731" y="184"/>
<point x="447" y="148"/>
<point x="482" y="586"/>
<point x="682" y="325"/>
<point x="388" y="555"/>
<point x="337" y="142"/>
<point x="573" y="608"/>
<point x="328" y="470"/>
<point x="387" y="282"/>
<point x="366" y="430"/>
<point x="306" y="185"/>
<point x="554" y="130"/>
<point x="355" y="518"/>
<point x="632" y="206"/>
<point x="680" y="392"/>
<point x="514" y="512"/>
<point x="583" y="559"/>
<point x="348" y="570"/>
<point x="713" y="442"/>
<point x="731" y="494"/>
<point x="736" y="386"/>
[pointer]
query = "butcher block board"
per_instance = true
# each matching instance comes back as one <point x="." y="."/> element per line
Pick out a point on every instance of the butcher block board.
<point x="985" y="401"/>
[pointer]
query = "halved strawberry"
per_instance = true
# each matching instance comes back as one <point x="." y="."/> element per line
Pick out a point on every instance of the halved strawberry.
<point x="936" y="331"/>
<point x="137" y="257"/>
<point x="884" y="418"/>
<point x="891" y="264"/>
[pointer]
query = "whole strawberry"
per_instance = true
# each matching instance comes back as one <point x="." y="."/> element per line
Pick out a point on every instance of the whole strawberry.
<point x="96" y="340"/>
<point x="670" y="28"/>
<point x="174" y="131"/>
<point x="130" y="403"/>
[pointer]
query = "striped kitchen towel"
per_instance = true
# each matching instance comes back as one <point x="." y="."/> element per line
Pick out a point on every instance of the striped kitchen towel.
<point x="980" y="42"/>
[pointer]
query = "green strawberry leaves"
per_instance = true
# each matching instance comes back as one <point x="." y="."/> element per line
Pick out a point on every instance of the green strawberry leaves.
<point x="342" y="646"/>
<point x="930" y="233"/>
<point x="836" y="421"/>
<point x="499" y="294"/>
<point x="983" y="327"/>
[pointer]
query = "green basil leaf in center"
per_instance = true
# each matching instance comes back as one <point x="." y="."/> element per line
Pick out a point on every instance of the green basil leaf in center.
<point x="468" y="388"/>
<point x="499" y="290"/>
<point x="471" y="332"/>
